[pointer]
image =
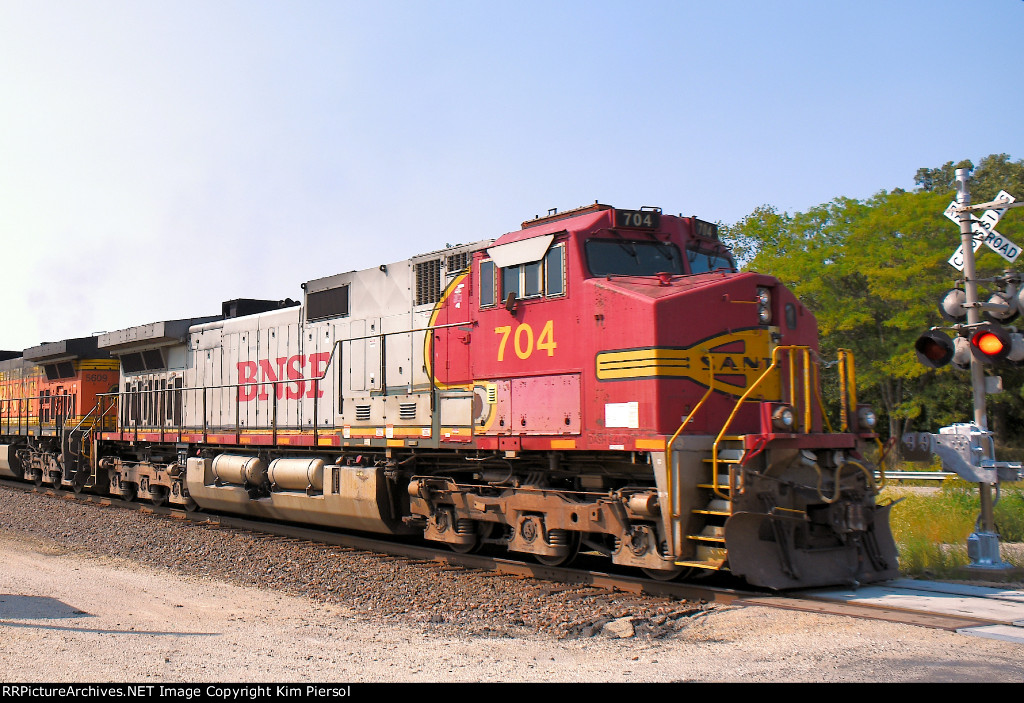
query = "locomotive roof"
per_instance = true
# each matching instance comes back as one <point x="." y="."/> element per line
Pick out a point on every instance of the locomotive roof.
<point x="325" y="282"/>
<point x="154" y="334"/>
<point x="64" y="350"/>
<point x="587" y="218"/>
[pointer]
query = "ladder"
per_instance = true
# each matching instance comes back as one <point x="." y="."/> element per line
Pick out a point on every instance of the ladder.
<point x="706" y="524"/>
<point x="80" y="446"/>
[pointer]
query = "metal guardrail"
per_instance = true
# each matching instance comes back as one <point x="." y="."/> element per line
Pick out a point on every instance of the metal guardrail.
<point x="916" y="475"/>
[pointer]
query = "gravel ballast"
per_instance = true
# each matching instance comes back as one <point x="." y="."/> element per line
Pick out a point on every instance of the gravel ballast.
<point x="91" y="593"/>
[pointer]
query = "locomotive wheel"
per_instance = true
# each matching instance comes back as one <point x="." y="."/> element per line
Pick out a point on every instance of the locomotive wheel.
<point x="158" y="496"/>
<point x="567" y="558"/>
<point x="129" y="491"/>
<point x="664" y="574"/>
<point x="190" y="505"/>
<point x="37" y="478"/>
<point x="483" y="531"/>
<point x="465" y="548"/>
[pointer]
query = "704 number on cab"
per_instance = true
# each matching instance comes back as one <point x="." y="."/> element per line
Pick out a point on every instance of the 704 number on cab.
<point x="523" y="341"/>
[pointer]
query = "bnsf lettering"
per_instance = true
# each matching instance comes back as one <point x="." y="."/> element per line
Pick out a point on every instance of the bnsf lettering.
<point x="255" y="377"/>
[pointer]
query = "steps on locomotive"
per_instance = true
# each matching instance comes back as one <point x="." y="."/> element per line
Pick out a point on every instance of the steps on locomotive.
<point x="709" y="521"/>
<point x="78" y="457"/>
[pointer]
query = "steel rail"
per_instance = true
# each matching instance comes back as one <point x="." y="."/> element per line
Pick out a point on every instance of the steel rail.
<point x="612" y="583"/>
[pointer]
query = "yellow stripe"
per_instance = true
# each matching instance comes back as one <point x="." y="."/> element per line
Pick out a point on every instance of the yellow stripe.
<point x="563" y="444"/>
<point x="699" y="362"/>
<point x="458" y="431"/>
<point x="98" y="364"/>
<point x="652" y="444"/>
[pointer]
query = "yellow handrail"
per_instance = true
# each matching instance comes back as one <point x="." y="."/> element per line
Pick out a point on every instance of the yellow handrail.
<point x="811" y="391"/>
<point x="881" y="463"/>
<point x="847" y="389"/>
<point x="821" y="403"/>
<point x="806" y="359"/>
<point x="743" y="399"/>
<point x="672" y="507"/>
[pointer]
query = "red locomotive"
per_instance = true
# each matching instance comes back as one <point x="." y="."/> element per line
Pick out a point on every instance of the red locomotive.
<point x="601" y="380"/>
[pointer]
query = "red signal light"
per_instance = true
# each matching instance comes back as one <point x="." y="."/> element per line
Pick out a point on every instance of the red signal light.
<point x="993" y="344"/>
<point x="989" y="344"/>
<point x="934" y="349"/>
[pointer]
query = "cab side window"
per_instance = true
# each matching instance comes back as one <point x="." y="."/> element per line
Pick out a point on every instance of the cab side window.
<point x="536" y="279"/>
<point x="486" y="283"/>
<point x="554" y="271"/>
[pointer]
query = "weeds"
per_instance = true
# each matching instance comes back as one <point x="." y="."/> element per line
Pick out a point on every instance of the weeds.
<point x="931" y="529"/>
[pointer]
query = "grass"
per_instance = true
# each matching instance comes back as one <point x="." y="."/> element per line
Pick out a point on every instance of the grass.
<point x="931" y="529"/>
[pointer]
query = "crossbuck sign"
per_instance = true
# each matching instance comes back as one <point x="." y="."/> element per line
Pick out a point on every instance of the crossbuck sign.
<point x="984" y="230"/>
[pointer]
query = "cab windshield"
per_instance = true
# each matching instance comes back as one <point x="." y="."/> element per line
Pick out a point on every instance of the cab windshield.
<point x="703" y="260"/>
<point x="625" y="257"/>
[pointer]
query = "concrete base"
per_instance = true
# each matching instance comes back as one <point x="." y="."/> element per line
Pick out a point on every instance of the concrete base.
<point x="1000" y="574"/>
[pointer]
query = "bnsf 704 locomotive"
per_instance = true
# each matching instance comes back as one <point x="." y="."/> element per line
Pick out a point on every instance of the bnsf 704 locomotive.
<point x="601" y="380"/>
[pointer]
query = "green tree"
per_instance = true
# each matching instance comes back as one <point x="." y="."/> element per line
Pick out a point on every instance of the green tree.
<point x="872" y="272"/>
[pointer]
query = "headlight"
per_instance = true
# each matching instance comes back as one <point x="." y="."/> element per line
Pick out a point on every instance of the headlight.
<point x="764" y="306"/>
<point x="783" y="418"/>
<point x="866" y="418"/>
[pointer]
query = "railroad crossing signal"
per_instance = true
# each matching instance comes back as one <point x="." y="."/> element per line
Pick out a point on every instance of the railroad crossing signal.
<point x="987" y="343"/>
<point x="984" y="230"/>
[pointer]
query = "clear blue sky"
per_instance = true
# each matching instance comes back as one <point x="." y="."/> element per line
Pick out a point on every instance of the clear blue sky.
<point x="160" y="156"/>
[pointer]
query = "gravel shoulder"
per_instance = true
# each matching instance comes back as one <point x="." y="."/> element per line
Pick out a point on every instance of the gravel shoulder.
<point x="93" y="594"/>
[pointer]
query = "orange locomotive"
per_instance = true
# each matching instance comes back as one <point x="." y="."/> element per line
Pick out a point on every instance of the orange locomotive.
<point x="45" y="392"/>
<point x="601" y="380"/>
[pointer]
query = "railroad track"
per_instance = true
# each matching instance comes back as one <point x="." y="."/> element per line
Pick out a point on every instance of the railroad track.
<point x="970" y="610"/>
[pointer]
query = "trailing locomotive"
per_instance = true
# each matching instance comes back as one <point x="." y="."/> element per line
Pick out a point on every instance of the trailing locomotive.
<point x="600" y="380"/>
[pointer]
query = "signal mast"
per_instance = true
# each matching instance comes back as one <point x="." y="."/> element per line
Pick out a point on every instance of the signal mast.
<point x="969" y="448"/>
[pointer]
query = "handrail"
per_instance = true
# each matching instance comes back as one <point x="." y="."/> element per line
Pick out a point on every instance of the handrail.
<point x="881" y="463"/>
<point x="817" y="394"/>
<point x="743" y="399"/>
<point x="89" y="414"/>
<point x="673" y="509"/>
<point x="57" y="420"/>
<point x="314" y="381"/>
<point x="808" y="417"/>
<point x="847" y="388"/>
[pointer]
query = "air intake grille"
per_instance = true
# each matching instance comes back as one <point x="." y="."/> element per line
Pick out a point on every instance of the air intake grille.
<point x="362" y="413"/>
<point x="407" y="411"/>
<point x="458" y="262"/>
<point x="428" y="282"/>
